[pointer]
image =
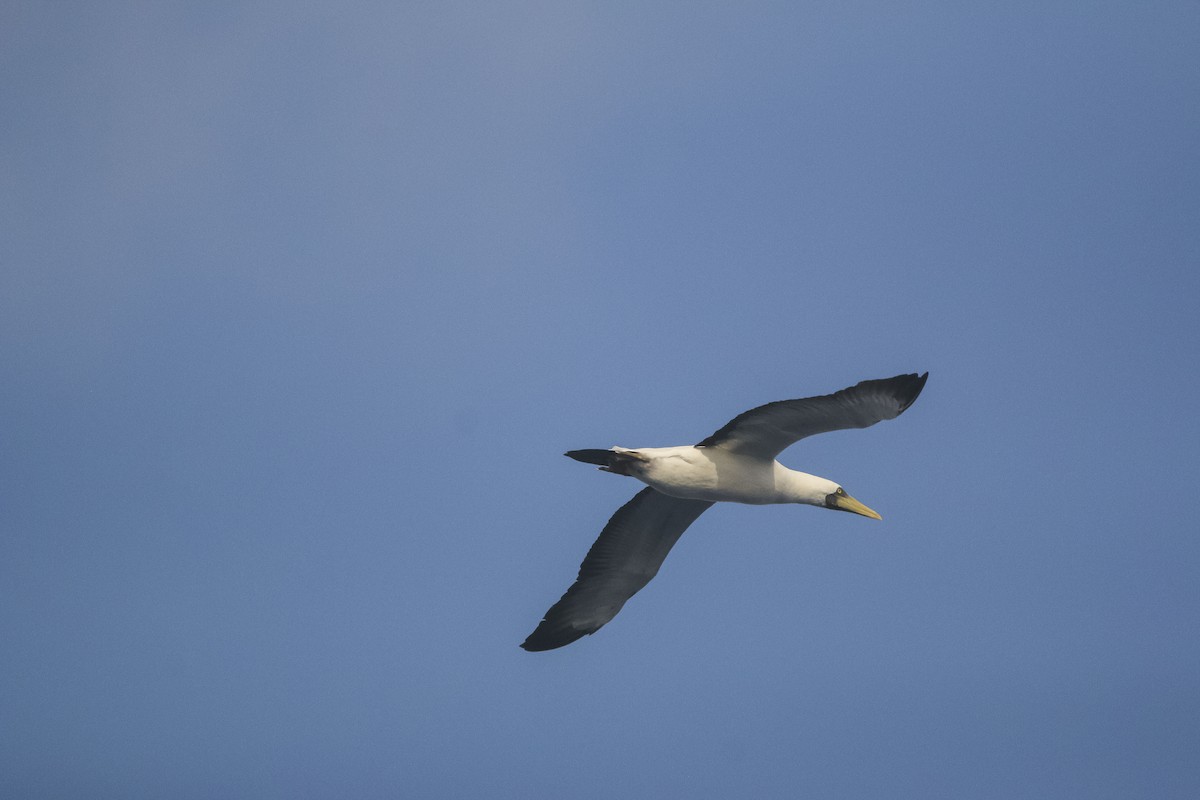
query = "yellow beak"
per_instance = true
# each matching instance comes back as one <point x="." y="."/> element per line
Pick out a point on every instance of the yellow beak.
<point x="847" y="503"/>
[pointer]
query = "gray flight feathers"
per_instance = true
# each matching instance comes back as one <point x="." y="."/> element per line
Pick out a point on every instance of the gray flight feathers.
<point x="627" y="555"/>
<point x="768" y="430"/>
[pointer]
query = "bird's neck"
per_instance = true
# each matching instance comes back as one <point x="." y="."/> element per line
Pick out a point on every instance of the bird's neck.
<point x="800" y="487"/>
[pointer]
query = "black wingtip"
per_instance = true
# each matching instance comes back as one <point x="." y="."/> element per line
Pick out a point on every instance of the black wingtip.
<point x="910" y="389"/>
<point x="544" y="639"/>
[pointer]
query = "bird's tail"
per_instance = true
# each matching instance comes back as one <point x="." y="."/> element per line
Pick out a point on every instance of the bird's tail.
<point x="598" y="457"/>
<point x="617" y="460"/>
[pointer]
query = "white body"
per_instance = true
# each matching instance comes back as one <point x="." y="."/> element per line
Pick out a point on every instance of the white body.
<point x="715" y="474"/>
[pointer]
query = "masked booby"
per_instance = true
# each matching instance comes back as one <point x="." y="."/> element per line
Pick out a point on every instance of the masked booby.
<point x="737" y="465"/>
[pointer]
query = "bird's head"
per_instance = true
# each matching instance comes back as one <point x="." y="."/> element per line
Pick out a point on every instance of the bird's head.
<point x="840" y="501"/>
<point x="817" y="491"/>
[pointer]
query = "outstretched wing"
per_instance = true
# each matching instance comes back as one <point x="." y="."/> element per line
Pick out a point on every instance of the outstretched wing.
<point x="766" y="431"/>
<point x="623" y="559"/>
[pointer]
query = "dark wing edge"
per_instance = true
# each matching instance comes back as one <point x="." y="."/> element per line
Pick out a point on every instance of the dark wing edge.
<point x="623" y="559"/>
<point x="770" y="429"/>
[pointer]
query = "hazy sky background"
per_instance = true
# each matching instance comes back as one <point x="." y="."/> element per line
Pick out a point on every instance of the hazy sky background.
<point x="301" y="303"/>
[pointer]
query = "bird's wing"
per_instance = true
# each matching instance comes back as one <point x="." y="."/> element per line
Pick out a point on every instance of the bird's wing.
<point x="766" y="431"/>
<point x="623" y="559"/>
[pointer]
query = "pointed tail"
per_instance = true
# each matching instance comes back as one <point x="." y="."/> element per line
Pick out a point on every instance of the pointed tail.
<point x="618" y="459"/>
<point x="601" y="458"/>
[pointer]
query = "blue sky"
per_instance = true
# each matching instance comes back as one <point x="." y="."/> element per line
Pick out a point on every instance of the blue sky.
<point x="301" y="304"/>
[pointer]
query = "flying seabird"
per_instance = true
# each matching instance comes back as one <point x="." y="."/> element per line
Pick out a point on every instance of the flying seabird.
<point x="736" y="464"/>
